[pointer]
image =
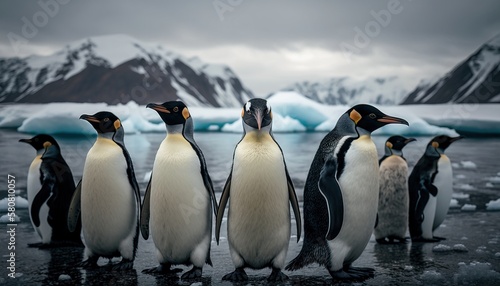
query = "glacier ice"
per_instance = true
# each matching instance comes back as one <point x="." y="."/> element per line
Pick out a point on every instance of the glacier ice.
<point x="292" y="113"/>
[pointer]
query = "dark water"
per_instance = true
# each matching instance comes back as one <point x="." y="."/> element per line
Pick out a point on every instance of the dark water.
<point x="478" y="231"/>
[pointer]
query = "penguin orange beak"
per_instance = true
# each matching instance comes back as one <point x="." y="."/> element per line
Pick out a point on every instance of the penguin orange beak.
<point x="258" y="117"/>
<point x="157" y="107"/>
<point x="410" y="140"/>
<point x="390" y="119"/>
<point x="89" y="118"/>
<point x="456" y="139"/>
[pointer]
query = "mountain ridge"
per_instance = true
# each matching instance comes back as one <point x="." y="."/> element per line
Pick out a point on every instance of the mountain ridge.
<point x="94" y="70"/>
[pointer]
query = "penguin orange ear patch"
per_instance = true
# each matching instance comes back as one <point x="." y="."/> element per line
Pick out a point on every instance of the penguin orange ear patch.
<point x="185" y="113"/>
<point x="355" y="116"/>
<point x="47" y="144"/>
<point x="117" y="124"/>
<point x="242" y="112"/>
<point x="435" y="144"/>
<point x="389" y="145"/>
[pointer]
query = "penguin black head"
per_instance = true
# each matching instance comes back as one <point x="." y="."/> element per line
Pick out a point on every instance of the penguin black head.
<point x="103" y="122"/>
<point x="256" y="113"/>
<point x="370" y="118"/>
<point x="443" y="141"/>
<point x="171" y="112"/>
<point x="397" y="142"/>
<point x="41" y="142"/>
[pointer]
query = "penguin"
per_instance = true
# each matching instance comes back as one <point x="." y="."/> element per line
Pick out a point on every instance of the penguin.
<point x="341" y="195"/>
<point x="261" y="190"/>
<point x="107" y="196"/>
<point x="393" y="198"/>
<point x="180" y="197"/>
<point x="443" y="180"/>
<point x="50" y="189"/>
<point x="422" y="195"/>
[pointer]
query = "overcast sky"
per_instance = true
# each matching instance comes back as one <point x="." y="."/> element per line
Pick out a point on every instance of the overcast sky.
<point x="271" y="44"/>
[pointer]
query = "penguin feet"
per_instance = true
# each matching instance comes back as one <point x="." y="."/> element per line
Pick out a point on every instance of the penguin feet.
<point x="425" y="240"/>
<point x="194" y="273"/>
<point x="163" y="268"/>
<point x="352" y="274"/>
<point x="37" y="245"/>
<point x="277" y="276"/>
<point x="392" y="239"/>
<point x="124" y="265"/>
<point x="90" y="263"/>
<point x="439" y="238"/>
<point x="237" y="275"/>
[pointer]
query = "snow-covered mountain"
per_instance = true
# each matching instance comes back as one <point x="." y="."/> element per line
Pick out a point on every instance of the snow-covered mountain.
<point x="350" y="91"/>
<point x="475" y="80"/>
<point x="117" y="69"/>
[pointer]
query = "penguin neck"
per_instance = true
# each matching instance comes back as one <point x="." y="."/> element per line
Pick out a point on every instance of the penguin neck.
<point x="397" y="152"/>
<point x="175" y="129"/>
<point x="363" y="132"/>
<point x="40" y="152"/>
<point x="107" y="135"/>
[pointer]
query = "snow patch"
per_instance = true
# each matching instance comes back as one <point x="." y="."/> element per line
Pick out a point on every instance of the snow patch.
<point x="460" y="196"/>
<point x="476" y="273"/>
<point x="7" y="219"/>
<point x="454" y="204"/>
<point x="468" y="208"/>
<point x="465" y="187"/>
<point x="21" y="203"/>
<point x="493" y="205"/>
<point x="441" y="248"/>
<point x="468" y="165"/>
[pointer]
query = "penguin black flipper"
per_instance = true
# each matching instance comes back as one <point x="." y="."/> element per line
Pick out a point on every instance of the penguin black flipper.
<point x="329" y="187"/>
<point x="145" y="213"/>
<point x="222" y="206"/>
<point x="188" y="135"/>
<point x="292" y="196"/>
<point x="41" y="197"/>
<point x="75" y="208"/>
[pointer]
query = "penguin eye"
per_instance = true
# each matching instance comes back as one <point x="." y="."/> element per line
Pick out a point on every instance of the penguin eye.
<point x="372" y="115"/>
<point x="176" y="109"/>
<point x="106" y="119"/>
<point x="36" y="140"/>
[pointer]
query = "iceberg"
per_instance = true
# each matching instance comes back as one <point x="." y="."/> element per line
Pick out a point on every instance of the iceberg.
<point x="292" y="113"/>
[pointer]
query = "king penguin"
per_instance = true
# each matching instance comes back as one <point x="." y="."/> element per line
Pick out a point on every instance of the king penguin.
<point x="50" y="188"/>
<point x="393" y="198"/>
<point x="443" y="180"/>
<point x="341" y="195"/>
<point x="107" y="196"/>
<point x="261" y="190"/>
<point x="180" y="197"/>
<point x="423" y="194"/>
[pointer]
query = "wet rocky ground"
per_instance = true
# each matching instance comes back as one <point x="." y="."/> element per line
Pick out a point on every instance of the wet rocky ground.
<point x="469" y="256"/>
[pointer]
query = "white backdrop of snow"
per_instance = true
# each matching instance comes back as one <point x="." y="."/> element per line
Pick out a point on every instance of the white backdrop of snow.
<point x="292" y="113"/>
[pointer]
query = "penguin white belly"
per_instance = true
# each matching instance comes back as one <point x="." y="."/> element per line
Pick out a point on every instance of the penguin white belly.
<point x="444" y="183"/>
<point x="429" y="213"/>
<point x="33" y="186"/>
<point x="359" y="183"/>
<point x="181" y="220"/>
<point x="259" y="212"/>
<point x="107" y="200"/>
<point x="393" y="198"/>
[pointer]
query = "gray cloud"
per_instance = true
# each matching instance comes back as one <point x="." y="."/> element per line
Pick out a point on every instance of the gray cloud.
<point x="436" y="33"/>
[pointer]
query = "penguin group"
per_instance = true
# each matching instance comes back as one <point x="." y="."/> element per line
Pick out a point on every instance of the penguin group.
<point x="349" y="194"/>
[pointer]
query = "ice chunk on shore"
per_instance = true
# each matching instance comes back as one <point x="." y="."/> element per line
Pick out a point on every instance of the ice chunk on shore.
<point x="493" y="205"/>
